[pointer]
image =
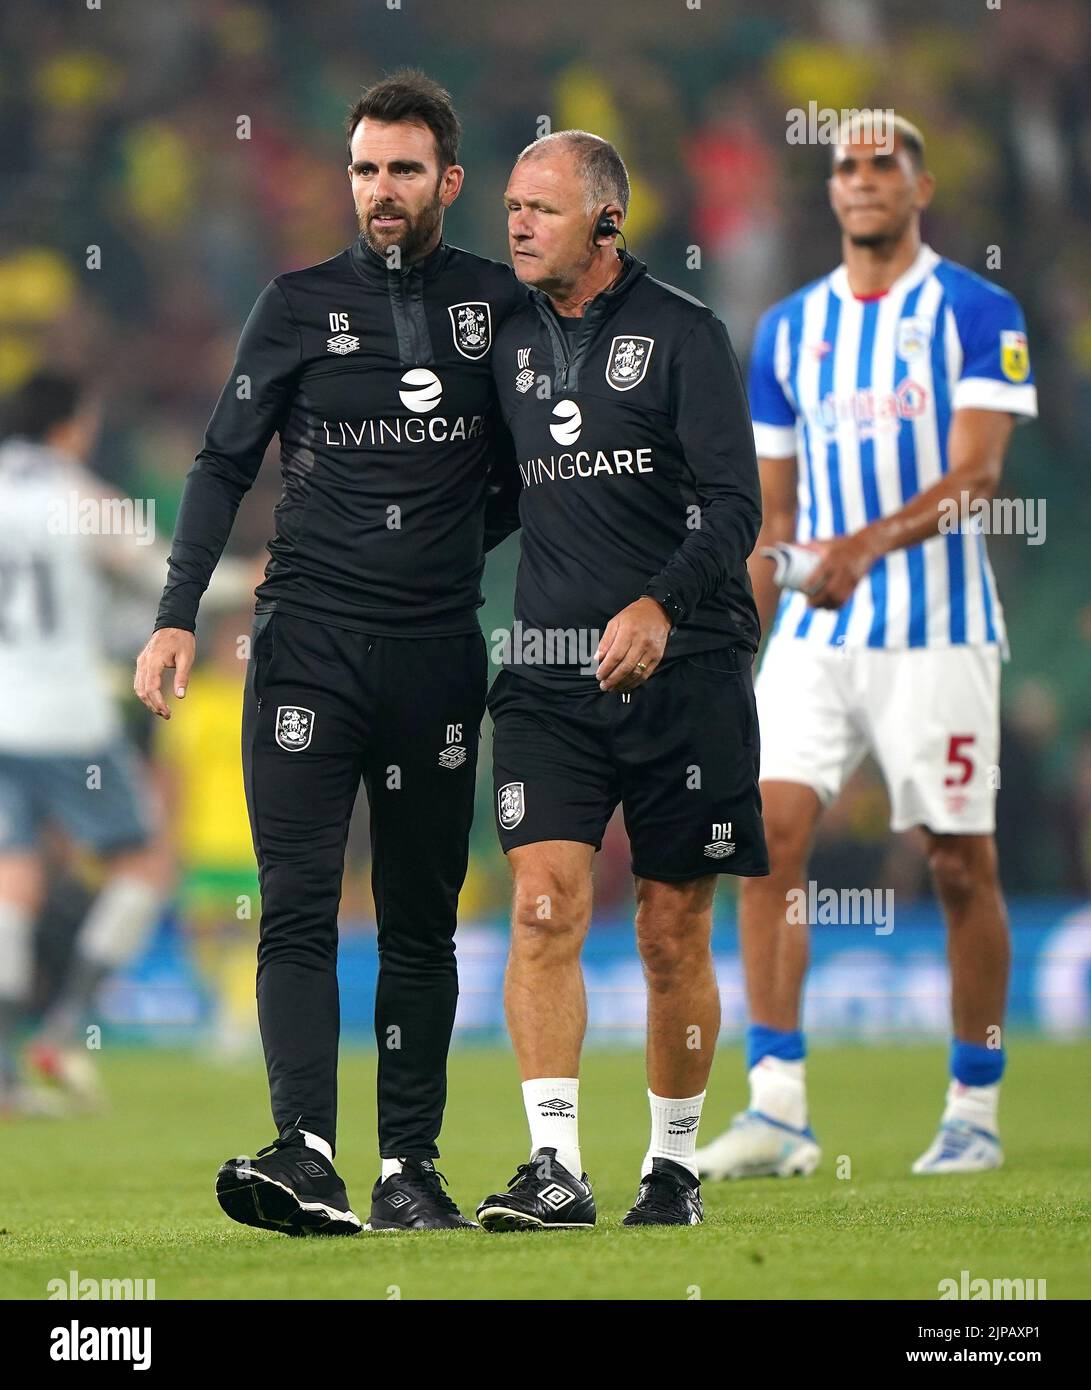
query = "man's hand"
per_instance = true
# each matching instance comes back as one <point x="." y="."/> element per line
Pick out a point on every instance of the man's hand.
<point x="844" y="563"/>
<point x="634" y="637"/>
<point x="171" y="648"/>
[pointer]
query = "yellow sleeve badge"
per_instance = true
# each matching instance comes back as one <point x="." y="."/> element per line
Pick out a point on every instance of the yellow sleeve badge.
<point x="1014" y="356"/>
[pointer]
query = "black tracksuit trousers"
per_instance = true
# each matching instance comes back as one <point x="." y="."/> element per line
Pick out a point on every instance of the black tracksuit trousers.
<point x="325" y="708"/>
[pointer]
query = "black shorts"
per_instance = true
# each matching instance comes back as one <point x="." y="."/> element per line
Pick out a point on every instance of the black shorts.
<point x="680" y="754"/>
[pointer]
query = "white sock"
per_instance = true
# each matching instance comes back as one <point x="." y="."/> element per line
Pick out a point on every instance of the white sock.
<point x="119" y="921"/>
<point x="674" y="1130"/>
<point x="779" y="1089"/>
<point x="552" y="1106"/>
<point x="315" y="1141"/>
<point x="389" y="1168"/>
<point x="977" y="1105"/>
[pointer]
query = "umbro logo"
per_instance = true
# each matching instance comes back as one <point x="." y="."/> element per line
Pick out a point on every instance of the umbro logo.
<point x="686" y="1125"/>
<point x="399" y="1199"/>
<point x="342" y="343"/>
<point x="555" y="1196"/>
<point x="557" y="1105"/>
<point x="721" y="845"/>
<point x="314" y="1170"/>
<point x="525" y="380"/>
<point x="454" y="756"/>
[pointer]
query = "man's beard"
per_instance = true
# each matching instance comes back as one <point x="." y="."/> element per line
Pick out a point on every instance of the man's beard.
<point x="415" y="234"/>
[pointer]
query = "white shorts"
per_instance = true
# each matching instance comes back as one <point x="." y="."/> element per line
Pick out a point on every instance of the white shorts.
<point x="929" y="717"/>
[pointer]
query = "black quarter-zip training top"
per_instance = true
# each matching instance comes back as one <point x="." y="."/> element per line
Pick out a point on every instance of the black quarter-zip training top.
<point x="636" y="454"/>
<point x="378" y="383"/>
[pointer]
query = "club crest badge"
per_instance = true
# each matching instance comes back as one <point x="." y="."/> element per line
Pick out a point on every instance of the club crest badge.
<point x="914" y="337"/>
<point x="471" y="325"/>
<point x="294" y="727"/>
<point x="510" y="805"/>
<point x="628" y="362"/>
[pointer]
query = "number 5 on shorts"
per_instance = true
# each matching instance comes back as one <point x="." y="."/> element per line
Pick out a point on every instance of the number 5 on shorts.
<point x="959" y="759"/>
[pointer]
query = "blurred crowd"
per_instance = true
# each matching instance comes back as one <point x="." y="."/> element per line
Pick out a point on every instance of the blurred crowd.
<point x="161" y="162"/>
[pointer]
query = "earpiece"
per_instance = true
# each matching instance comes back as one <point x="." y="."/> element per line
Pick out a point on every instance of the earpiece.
<point x="605" y="227"/>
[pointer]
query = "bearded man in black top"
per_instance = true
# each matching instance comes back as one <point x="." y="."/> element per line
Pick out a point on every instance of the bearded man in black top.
<point x="367" y="661"/>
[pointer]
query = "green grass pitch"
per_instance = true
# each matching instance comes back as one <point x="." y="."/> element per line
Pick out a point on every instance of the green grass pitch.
<point x="129" y="1194"/>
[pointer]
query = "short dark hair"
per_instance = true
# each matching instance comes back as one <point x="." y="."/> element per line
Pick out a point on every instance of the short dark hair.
<point x="410" y="95"/>
<point x="46" y="399"/>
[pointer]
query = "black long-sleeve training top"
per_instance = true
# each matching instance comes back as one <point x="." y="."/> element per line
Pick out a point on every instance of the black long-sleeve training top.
<point x="636" y="454"/>
<point x="378" y="382"/>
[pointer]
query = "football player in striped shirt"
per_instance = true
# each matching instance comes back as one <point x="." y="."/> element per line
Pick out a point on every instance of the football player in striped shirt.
<point x="883" y="396"/>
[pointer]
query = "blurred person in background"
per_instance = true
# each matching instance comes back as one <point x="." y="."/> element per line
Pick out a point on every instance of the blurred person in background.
<point x="63" y="759"/>
<point x="881" y="394"/>
<point x="738" y="196"/>
<point x="205" y="808"/>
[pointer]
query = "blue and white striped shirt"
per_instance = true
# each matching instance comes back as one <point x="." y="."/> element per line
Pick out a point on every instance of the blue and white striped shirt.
<point x="861" y="392"/>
